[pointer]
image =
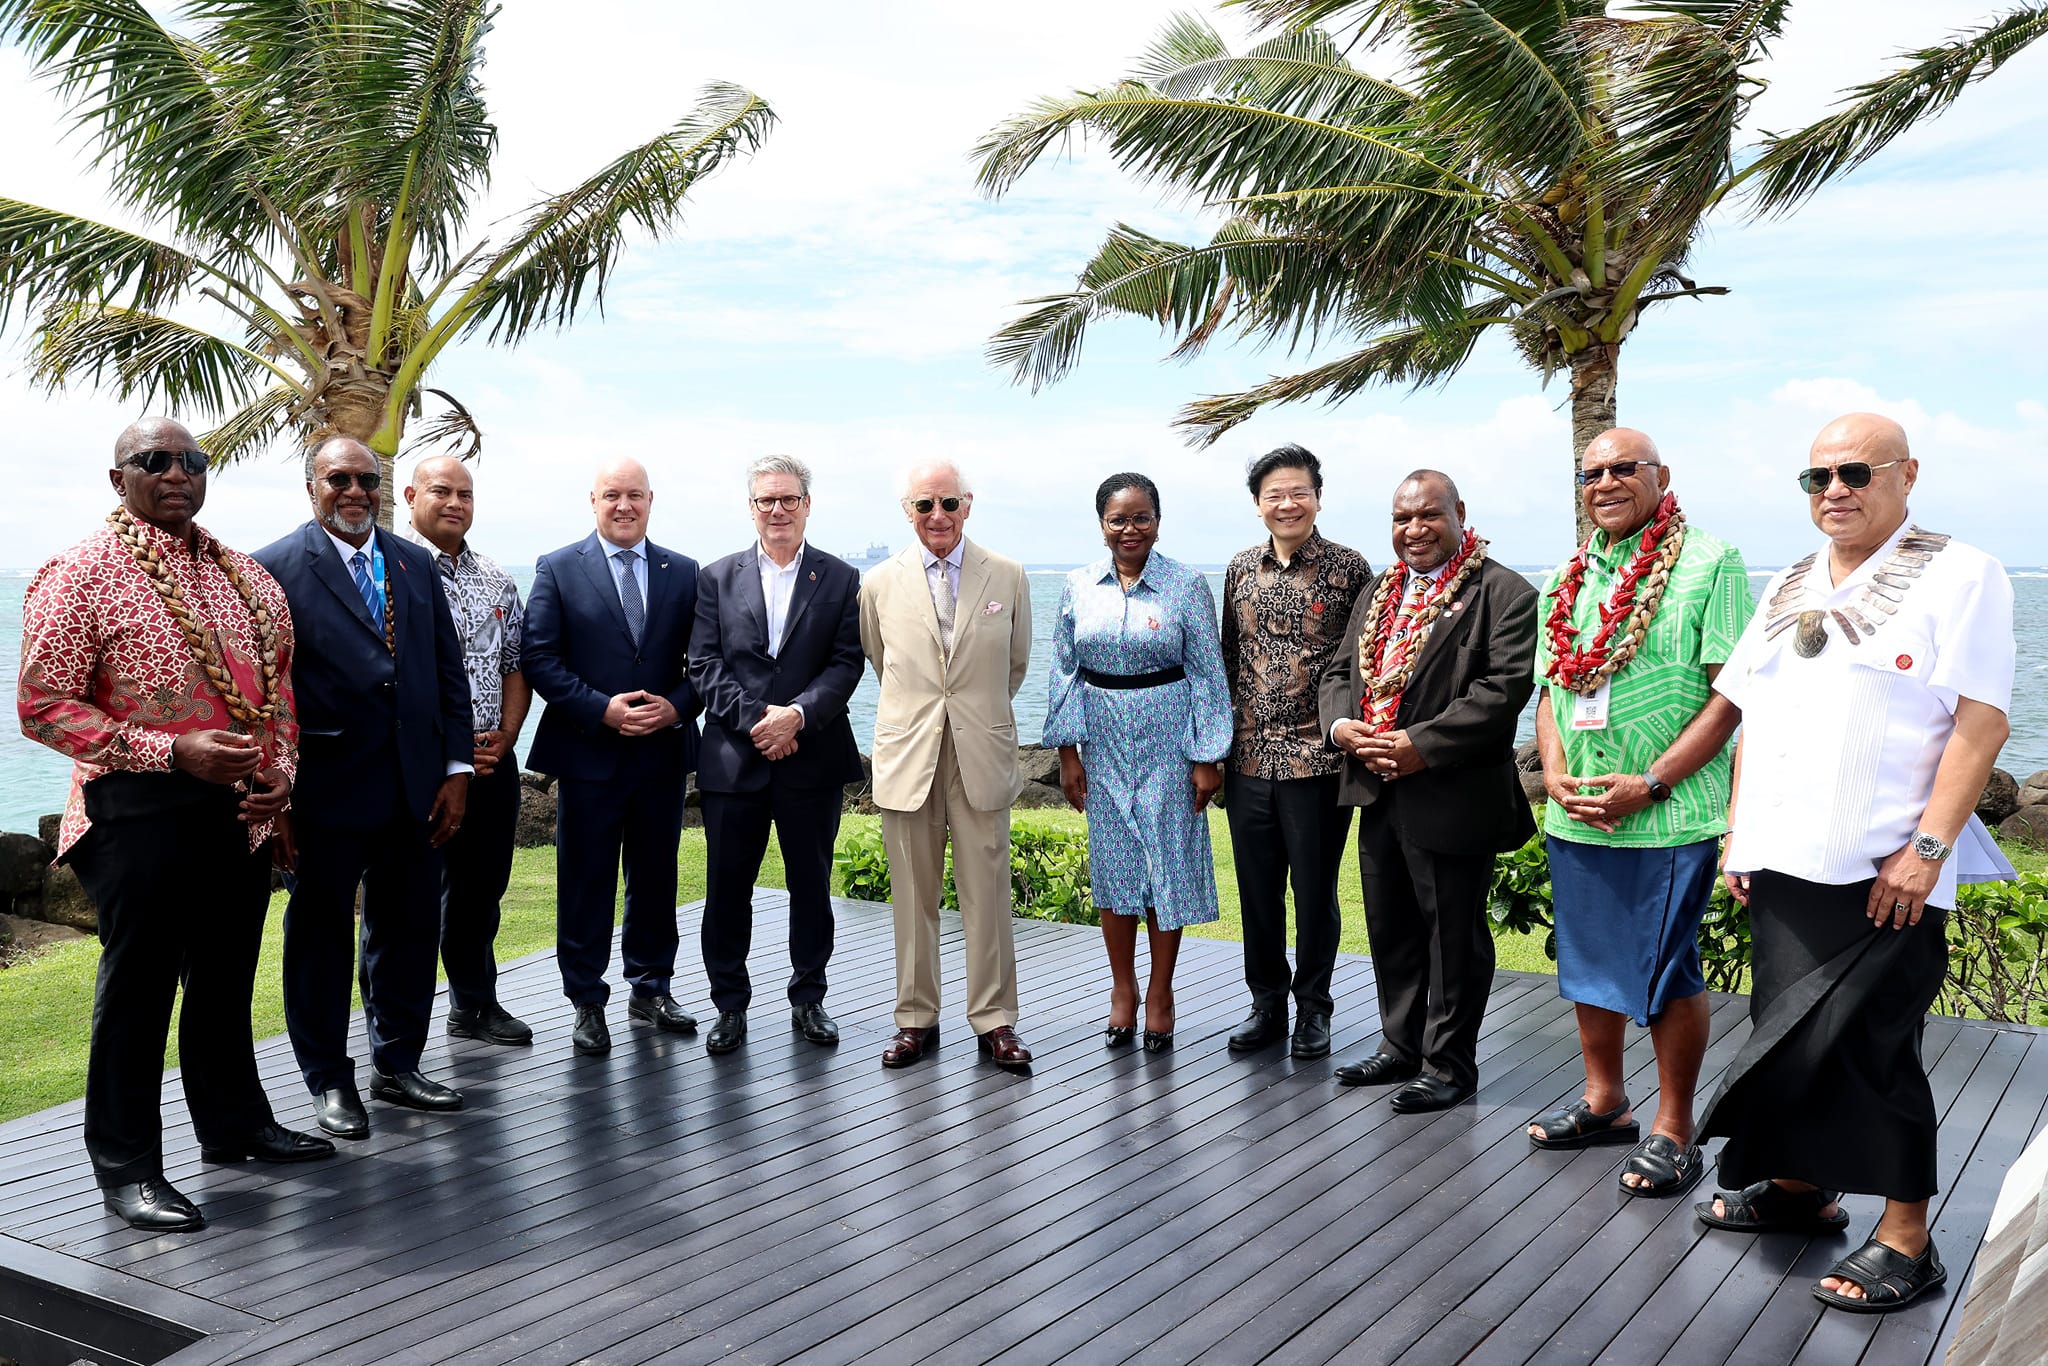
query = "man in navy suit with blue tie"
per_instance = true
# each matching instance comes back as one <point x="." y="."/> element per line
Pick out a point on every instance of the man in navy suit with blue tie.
<point x="384" y="767"/>
<point x="775" y="657"/>
<point x="607" y="646"/>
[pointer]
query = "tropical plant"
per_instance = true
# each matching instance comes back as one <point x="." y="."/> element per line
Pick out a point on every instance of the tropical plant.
<point x="1540" y="168"/>
<point x="309" y="166"/>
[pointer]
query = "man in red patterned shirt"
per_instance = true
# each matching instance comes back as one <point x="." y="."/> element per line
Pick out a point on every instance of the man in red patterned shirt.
<point x="159" y="660"/>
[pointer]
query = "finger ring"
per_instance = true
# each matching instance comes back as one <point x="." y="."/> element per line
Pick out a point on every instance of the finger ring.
<point x="1898" y="905"/>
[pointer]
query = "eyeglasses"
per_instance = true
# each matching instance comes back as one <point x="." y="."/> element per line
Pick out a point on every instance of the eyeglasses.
<point x="1854" y="474"/>
<point x="1273" y="498"/>
<point x="368" y="483"/>
<point x="788" y="502"/>
<point x="925" y="505"/>
<point x="1143" y="522"/>
<point x="156" y="462"/>
<point x="1620" y="469"/>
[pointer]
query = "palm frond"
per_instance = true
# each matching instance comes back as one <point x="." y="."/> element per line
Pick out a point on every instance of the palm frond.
<point x="1300" y="73"/>
<point x="570" y="243"/>
<point x="1506" y="77"/>
<point x="1674" y="95"/>
<point x="1741" y="22"/>
<point x="455" y="430"/>
<point x="48" y="257"/>
<point x="141" y="354"/>
<point x="251" y="429"/>
<point x="1794" y="166"/>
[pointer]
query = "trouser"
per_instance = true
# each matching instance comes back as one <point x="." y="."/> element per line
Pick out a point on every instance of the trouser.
<point x="399" y="938"/>
<point x="1290" y="829"/>
<point x="476" y="865"/>
<point x="916" y="844"/>
<point x="806" y="821"/>
<point x="637" y="818"/>
<point x="1432" y="946"/>
<point x="181" y="899"/>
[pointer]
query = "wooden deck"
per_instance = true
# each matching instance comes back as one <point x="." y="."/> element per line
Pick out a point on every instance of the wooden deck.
<point x="791" y="1203"/>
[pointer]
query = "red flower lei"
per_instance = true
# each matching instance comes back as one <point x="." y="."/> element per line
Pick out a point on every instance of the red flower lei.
<point x="1381" y="698"/>
<point x="1585" y="670"/>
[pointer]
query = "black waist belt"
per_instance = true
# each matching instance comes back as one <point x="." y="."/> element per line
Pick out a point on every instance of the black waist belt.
<point x="1157" y="679"/>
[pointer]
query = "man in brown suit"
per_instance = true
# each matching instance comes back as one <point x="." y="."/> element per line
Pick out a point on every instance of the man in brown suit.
<point x="948" y="628"/>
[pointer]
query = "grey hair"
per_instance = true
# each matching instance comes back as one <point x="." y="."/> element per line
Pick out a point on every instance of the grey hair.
<point x="779" y="464"/>
<point x="903" y="476"/>
<point x="313" y="451"/>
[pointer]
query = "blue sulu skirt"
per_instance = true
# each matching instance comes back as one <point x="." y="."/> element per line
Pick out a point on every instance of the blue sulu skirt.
<point x="1628" y="923"/>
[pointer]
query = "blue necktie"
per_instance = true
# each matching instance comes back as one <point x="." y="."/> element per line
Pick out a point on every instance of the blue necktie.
<point x="373" y="598"/>
<point x="629" y="595"/>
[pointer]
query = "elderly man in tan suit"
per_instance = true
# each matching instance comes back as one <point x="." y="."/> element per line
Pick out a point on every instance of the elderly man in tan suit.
<point x="948" y="628"/>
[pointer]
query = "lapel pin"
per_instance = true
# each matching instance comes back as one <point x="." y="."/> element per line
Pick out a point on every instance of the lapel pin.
<point x="814" y="576"/>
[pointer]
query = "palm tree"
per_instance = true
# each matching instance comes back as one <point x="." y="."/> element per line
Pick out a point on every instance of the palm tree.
<point x="1541" y="169"/>
<point x="310" y="165"/>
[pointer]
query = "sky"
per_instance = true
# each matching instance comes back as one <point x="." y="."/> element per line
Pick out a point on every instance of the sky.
<point x="832" y="296"/>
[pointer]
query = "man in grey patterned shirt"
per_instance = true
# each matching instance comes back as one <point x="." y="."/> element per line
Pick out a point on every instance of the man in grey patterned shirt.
<point x="477" y="862"/>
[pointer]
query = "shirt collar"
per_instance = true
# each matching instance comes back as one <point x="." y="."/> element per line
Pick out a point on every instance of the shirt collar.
<point x="1610" y="553"/>
<point x="462" y="553"/>
<point x="202" y="540"/>
<point x="762" y="557"/>
<point x="1152" y="559"/>
<point x="951" y="557"/>
<point x="1824" y="564"/>
<point x="1434" y="575"/>
<point x="612" y="551"/>
<point x="349" y="552"/>
<point x="1309" y="550"/>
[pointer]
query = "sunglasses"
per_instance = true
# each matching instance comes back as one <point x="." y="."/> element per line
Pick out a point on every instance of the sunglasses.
<point x="341" y="479"/>
<point x="925" y="505"/>
<point x="1620" y="469"/>
<point x="156" y="462"/>
<point x="1854" y="474"/>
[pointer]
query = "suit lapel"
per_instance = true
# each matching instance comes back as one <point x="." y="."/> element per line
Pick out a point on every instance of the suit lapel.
<point x="1449" y="627"/>
<point x="920" y="584"/>
<point x="597" y="564"/>
<point x="799" y="598"/>
<point x="328" y="568"/>
<point x="660" y="580"/>
<point x="748" y="592"/>
<point x="974" y="575"/>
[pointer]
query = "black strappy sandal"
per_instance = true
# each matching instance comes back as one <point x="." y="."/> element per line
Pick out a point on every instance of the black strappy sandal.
<point x="1672" y="1167"/>
<point x="1890" y="1279"/>
<point x="1768" y="1207"/>
<point x="1577" y="1126"/>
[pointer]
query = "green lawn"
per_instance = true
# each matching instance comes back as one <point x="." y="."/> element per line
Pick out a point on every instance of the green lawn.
<point x="46" y="1002"/>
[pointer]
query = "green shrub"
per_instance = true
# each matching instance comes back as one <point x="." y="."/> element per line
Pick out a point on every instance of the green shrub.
<point x="1048" y="873"/>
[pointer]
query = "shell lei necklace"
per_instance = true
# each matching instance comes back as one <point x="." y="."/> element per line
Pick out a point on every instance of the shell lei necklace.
<point x="1875" y="603"/>
<point x="203" y="651"/>
<point x="1648" y="573"/>
<point x="1384" y="683"/>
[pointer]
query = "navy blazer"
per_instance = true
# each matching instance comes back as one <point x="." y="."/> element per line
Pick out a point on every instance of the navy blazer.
<point x="363" y="711"/>
<point x="818" y="668"/>
<point x="577" y="654"/>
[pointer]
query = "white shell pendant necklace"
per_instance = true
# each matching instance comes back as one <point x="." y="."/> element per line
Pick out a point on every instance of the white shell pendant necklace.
<point x="1875" y="603"/>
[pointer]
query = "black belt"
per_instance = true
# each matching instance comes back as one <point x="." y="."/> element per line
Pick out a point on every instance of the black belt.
<point x="1159" y="678"/>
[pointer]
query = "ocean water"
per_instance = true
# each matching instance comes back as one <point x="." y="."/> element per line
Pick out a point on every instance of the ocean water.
<point x="34" y="780"/>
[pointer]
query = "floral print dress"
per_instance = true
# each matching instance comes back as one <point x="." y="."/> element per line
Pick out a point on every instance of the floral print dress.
<point x="1148" y="848"/>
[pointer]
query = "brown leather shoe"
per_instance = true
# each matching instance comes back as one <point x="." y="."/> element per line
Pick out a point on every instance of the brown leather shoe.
<point x="1002" y="1047"/>
<point x="909" y="1045"/>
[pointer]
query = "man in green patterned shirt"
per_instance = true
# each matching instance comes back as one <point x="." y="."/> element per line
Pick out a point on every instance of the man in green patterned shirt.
<point x="1635" y="758"/>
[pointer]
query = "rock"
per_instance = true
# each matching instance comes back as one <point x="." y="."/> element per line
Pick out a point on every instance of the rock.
<point x="22" y="861"/>
<point x="860" y="795"/>
<point x="693" y="817"/>
<point x="2034" y="791"/>
<point x="1532" y="787"/>
<point x="26" y="938"/>
<point x="538" y="782"/>
<point x="1527" y="758"/>
<point x="1037" y="796"/>
<point x="1039" y="764"/>
<point x="49" y="827"/>
<point x="693" y="798"/>
<point x="2028" y="825"/>
<point x="65" y="902"/>
<point x="536" y="824"/>
<point x="2000" y="798"/>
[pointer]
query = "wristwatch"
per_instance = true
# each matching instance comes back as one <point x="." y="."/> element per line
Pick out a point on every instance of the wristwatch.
<point x="1930" y="847"/>
<point x="1660" y="791"/>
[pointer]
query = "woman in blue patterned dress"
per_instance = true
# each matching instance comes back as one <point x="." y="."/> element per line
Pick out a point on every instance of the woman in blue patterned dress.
<point x="1140" y="713"/>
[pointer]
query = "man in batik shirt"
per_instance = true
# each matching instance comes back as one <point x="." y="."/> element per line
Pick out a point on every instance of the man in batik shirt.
<point x="476" y="862"/>
<point x="1285" y="605"/>
<point x="159" y="661"/>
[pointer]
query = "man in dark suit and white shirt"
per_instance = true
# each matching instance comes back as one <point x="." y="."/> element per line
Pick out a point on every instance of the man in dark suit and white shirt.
<point x="775" y="656"/>
<point x="607" y="646"/>
<point x="384" y="769"/>
<point x="1424" y="704"/>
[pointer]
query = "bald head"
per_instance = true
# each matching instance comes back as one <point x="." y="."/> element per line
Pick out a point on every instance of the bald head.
<point x="152" y="434"/>
<point x="1861" y="516"/>
<point x="171" y="497"/>
<point x="1861" y="436"/>
<point x="1623" y="481"/>
<point x="1620" y="443"/>
<point x="622" y="498"/>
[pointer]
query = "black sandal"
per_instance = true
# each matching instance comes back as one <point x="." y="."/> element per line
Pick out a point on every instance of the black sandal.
<point x="1672" y="1167"/>
<point x="1890" y="1279"/>
<point x="1768" y="1207"/>
<point x="1577" y="1126"/>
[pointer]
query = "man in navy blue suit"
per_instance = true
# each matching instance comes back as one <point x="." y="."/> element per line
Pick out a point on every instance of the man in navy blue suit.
<point x="607" y="645"/>
<point x="775" y="656"/>
<point x="384" y="767"/>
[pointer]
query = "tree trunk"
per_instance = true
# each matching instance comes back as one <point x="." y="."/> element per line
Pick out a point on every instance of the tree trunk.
<point x="1595" y="375"/>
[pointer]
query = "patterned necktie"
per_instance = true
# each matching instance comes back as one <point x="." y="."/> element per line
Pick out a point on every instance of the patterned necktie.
<point x="629" y="595"/>
<point x="943" y="600"/>
<point x="373" y="597"/>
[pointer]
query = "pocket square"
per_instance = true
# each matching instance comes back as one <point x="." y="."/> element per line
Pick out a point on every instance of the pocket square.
<point x="991" y="609"/>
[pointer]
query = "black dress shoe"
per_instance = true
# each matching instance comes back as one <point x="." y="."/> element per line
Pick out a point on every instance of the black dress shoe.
<point x="1158" y="1040"/>
<point x="1377" y="1069"/>
<point x="1429" y="1093"/>
<point x="1311" y="1036"/>
<point x="593" y="1036"/>
<point x="413" y="1090"/>
<point x="492" y="1024"/>
<point x="662" y="1012"/>
<point x="815" y="1023"/>
<point x="1260" y="1028"/>
<point x="341" y="1113"/>
<point x="271" y="1143"/>
<point x="154" y="1206"/>
<point x="728" y="1032"/>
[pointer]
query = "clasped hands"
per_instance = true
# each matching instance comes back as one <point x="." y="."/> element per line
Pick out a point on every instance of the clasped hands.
<point x="219" y="756"/>
<point x="1603" y="800"/>
<point x="774" y="735"/>
<point x="639" y="713"/>
<point x="1388" y="756"/>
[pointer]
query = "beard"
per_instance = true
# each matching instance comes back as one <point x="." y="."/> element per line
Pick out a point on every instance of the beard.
<point x="341" y="522"/>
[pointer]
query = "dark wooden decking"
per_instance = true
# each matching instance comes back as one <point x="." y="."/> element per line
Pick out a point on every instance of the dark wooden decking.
<point x="791" y="1203"/>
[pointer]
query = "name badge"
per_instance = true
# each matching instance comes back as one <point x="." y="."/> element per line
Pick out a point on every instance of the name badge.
<point x="1589" y="710"/>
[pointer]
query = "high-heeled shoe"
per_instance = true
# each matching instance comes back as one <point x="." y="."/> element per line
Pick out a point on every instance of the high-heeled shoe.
<point x="1158" y="1040"/>
<point x="1118" y="1036"/>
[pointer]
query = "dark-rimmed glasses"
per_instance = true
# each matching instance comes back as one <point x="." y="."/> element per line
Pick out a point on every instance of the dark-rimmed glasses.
<point x="1620" y="469"/>
<point x="922" y="506"/>
<point x="1143" y="521"/>
<point x="1854" y="474"/>
<point x="156" y="462"/>
<point x="340" y="480"/>
<point x="788" y="502"/>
